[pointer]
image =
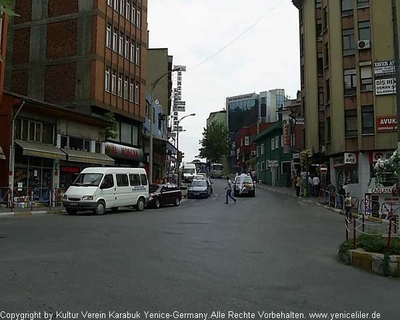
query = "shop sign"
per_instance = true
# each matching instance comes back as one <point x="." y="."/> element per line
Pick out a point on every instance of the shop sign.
<point x="350" y="158"/>
<point x="387" y="190"/>
<point x="286" y="136"/>
<point x="386" y="124"/>
<point x="70" y="169"/>
<point x="338" y="162"/>
<point x="385" y="86"/>
<point x="375" y="156"/>
<point x="384" y="68"/>
<point x="123" y="152"/>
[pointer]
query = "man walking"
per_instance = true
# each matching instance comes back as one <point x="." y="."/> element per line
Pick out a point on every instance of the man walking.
<point x="229" y="191"/>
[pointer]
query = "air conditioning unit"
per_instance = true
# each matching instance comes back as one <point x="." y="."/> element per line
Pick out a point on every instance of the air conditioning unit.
<point x="253" y="153"/>
<point x="364" y="44"/>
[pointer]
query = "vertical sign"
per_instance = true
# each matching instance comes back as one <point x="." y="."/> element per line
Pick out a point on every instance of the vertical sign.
<point x="286" y="136"/>
<point x="179" y="105"/>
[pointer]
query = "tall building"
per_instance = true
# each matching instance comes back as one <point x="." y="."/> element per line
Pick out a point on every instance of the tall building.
<point x="348" y="85"/>
<point x="270" y="103"/>
<point x="218" y="116"/>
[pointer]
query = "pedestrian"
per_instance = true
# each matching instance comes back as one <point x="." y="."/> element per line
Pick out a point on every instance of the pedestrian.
<point x="347" y="205"/>
<point x="316" y="183"/>
<point x="346" y="188"/>
<point x="298" y="186"/>
<point x="310" y="186"/>
<point x="229" y="191"/>
<point x="342" y="195"/>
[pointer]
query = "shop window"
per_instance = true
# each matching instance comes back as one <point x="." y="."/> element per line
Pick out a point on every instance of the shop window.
<point x="143" y="179"/>
<point x="351" y="123"/>
<point x="368" y="125"/>
<point x="122" y="180"/>
<point x="134" y="179"/>
<point x="75" y="143"/>
<point x="47" y="136"/>
<point x="348" y="174"/>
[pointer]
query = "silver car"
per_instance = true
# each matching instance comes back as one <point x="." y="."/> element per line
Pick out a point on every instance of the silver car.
<point x="248" y="187"/>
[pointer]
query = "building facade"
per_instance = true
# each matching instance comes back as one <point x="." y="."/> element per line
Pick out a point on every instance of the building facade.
<point x="348" y="86"/>
<point x="270" y="102"/>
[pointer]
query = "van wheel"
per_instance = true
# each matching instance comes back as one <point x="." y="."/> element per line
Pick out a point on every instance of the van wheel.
<point x="140" y="204"/>
<point x="71" y="211"/>
<point x="100" y="208"/>
<point x="157" y="203"/>
<point x="177" y="202"/>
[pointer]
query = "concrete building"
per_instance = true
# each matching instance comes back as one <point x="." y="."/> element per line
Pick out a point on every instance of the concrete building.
<point x="347" y="86"/>
<point x="219" y="116"/>
<point x="270" y="102"/>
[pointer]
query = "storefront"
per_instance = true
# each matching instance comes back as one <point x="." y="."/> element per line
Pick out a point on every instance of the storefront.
<point x="346" y="169"/>
<point x="124" y="156"/>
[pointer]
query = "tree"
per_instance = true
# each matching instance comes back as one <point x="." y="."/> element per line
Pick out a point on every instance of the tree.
<point x="111" y="131"/>
<point x="215" y="143"/>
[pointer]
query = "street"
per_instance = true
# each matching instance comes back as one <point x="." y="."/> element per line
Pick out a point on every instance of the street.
<point x="268" y="253"/>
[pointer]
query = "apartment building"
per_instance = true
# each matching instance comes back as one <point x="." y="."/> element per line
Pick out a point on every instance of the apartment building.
<point x="348" y="86"/>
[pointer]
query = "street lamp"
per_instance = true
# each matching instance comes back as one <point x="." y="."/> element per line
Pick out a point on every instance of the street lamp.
<point x="153" y="86"/>
<point x="177" y="143"/>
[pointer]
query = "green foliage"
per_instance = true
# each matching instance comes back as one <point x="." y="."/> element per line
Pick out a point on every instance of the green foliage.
<point x="111" y="131"/>
<point x="372" y="243"/>
<point x="215" y="143"/>
<point x="387" y="170"/>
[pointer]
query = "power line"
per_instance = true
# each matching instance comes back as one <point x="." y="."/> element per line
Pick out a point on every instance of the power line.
<point x="238" y="37"/>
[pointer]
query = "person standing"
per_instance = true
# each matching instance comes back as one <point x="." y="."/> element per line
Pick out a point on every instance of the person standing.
<point x="298" y="186"/>
<point x="310" y="186"/>
<point x="229" y="191"/>
<point x="316" y="183"/>
<point x="347" y="205"/>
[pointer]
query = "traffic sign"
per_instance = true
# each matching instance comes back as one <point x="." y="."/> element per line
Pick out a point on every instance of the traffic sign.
<point x="323" y="168"/>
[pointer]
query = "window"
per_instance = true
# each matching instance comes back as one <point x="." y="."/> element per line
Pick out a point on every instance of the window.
<point x="325" y="20"/>
<point x="143" y="179"/>
<point x="258" y="151"/>
<point x="115" y="39"/>
<point x="127" y="40"/>
<point x="364" y="30"/>
<point x="351" y="123"/>
<point x="116" y="5"/>
<point x="121" y="43"/>
<point x="131" y="91"/>
<point x="133" y="14"/>
<point x="258" y="167"/>
<point x="34" y="131"/>
<point x="347" y="6"/>
<point x="348" y="42"/>
<point x="47" y="133"/>
<point x="107" y="80"/>
<point x="282" y="141"/>
<point x="97" y="147"/>
<point x="318" y="3"/>
<point x="135" y="135"/>
<point x="241" y="142"/>
<point x="326" y="55"/>
<point x="120" y="85"/>
<point x="366" y="78"/>
<point x="108" y="181"/>
<point x="109" y="2"/>
<point x="137" y="58"/>
<point x="319" y="30"/>
<point x="108" y="36"/>
<point x="263" y="148"/>
<point x="246" y="140"/>
<point x="350" y="82"/>
<point x="134" y="179"/>
<point x="368" y="125"/>
<point x="126" y="83"/>
<point x="122" y="7"/>
<point x="138" y="20"/>
<point x="262" y="166"/>
<point x="301" y="44"/>
<point x="126" y="133"/>
<point x="273" y="144"/>
<point x="137" y="93"/>
<point x="320" y="64"/>
<point x="132" y="50"/>
<point x="321" y="133"/>
<point x="328" y="91"/>
<point x="328" y="125"/>
<point x="302" y="75"/>
<point x="362" y="3"/>
<point x="122" y="180"/>
<point x="277" y="142"/>
<point x="114" y="82"/>
<point x="128" y="10"/>
<point x="321" y="101"/>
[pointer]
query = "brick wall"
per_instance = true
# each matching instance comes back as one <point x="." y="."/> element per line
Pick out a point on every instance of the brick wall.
<point x="24" y="9"/>
<point x="21" y="46"/>
<point x="60" y="83"/>
<point x="19" y="81"/>
<point x="60" y="8"/>
<point x="62" y="39"/>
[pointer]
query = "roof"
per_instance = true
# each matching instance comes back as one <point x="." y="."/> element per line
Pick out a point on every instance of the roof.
<point x="297" y="3"/>
<point x="277" y="125"/>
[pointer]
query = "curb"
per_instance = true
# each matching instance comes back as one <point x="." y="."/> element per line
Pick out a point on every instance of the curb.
<point x="372" y="262"/>
<point x="30" y="213"/>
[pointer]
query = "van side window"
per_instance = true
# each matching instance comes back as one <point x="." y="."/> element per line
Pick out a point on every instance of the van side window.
<point x="122" y="180"/>
<point x="108" y="181"/>
<point x="143" y="179"/>
<point x="134" y="179"/>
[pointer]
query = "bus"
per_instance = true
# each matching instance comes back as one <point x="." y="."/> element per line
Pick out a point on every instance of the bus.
<point x="216" y="170"/>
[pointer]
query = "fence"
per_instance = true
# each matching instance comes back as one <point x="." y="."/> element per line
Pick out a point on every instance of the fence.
<point x="336" y="200"/>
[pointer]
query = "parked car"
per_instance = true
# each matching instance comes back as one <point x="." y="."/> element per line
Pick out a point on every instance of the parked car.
<point x="162" y="194"/>
<point x="202" y="176"/>
<point x="199" y="188"/>
<point x="249" y="186"/>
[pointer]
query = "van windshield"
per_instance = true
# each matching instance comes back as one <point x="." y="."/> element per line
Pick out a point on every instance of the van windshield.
<point x="217" y="167"/>
<point x="88" y="179"/>
<point x="188" y="170"/>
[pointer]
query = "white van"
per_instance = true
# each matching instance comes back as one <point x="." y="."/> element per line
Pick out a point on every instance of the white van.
<point x="102" y="188"/>
<point x="188" y="172"/>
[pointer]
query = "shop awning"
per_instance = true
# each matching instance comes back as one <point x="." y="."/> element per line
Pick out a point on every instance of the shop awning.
<point x="40" y="150"/>
<point x="88" y="157"/>
<point x="2" y="155"/>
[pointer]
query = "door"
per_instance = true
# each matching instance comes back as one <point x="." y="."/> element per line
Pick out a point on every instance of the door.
<point x="123" y="193"/>
<point x="107" y="192"/>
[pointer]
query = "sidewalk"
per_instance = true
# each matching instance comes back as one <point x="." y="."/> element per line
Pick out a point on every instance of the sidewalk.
<point x="30" y="212"/>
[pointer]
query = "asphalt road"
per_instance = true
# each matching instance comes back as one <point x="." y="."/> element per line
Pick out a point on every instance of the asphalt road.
<point x="268" y="253"/>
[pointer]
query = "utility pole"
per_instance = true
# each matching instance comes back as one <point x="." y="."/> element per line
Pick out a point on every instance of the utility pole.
<point x="397" y="65"/>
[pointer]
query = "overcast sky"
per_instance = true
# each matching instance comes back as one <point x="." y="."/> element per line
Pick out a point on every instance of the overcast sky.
<point x="266" y="57"/>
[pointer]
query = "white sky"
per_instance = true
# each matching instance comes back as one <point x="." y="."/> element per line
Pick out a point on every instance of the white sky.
<point x="264" y="58"/>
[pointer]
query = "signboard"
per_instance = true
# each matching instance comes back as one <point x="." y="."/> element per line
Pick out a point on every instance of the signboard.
<point x="272" y="163"/>
<point x="180" y="103"/>
<point x="375" y="156"/>
<point x="323" y="168"/>
<point x="179" y="108"/>
<point x="384" y="68"/>
<point x="299" y="120"/>
<point x="123" y="152"/>
<point x="350" y="158"/>
<point x="386" y="124"/>
<point x="385" y="190"/>
<point x="385" y="86"/>
<point x="286" y="136"/>
<point x="179" y="128"/>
